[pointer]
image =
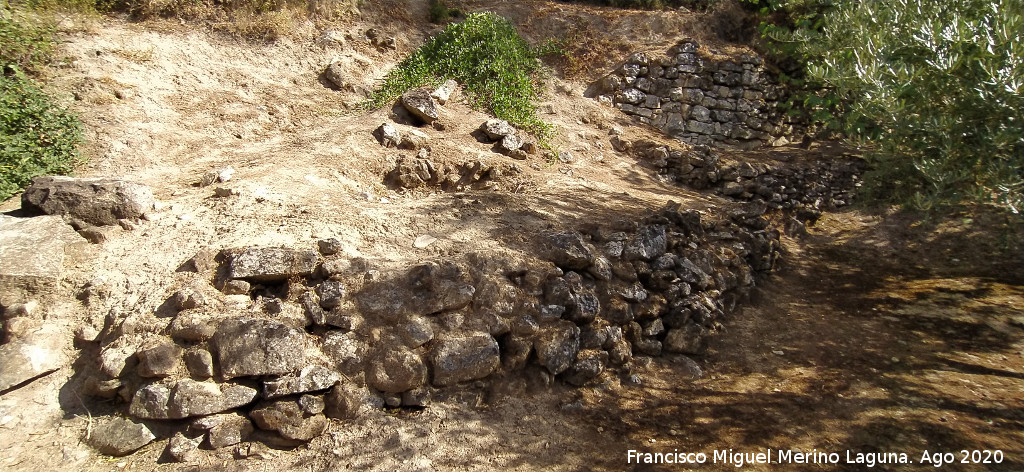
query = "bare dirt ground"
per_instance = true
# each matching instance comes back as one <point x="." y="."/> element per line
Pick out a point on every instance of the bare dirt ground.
<point x="879" y="333"/>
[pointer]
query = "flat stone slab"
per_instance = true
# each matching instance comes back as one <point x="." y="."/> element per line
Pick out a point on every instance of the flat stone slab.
<point x="270" y="263"/>
<point x="32" y="252"/>
<point x="39" y="353"/>
<point x="119" y="436"/>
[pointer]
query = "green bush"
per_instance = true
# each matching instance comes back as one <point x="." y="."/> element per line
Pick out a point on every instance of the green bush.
<point x="36" y="136"/>
<point x="935" y="92"/>
<point x="440" y="13"/>
<point x="488" y="57"/>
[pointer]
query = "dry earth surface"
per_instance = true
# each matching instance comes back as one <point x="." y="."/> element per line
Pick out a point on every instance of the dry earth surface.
<point x="877" y="333"/>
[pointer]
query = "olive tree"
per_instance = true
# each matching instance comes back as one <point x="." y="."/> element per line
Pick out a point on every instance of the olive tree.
<point x="935" y="92"/>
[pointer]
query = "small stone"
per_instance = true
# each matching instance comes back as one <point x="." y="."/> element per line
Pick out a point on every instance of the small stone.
<point x="649" y="243"/>
<point x="335" y="74"/>
<point x="312" y="404"/>
<point x="566" y="157"/>
<point x="311" y="379"/>
<point x="444" y="92"/>
<point x="225" y="429"/>
<point x="417" y="333"/>
<point x="685" y="340"/>
<point x="511" y="143"/>
<point x="567" y="249"/>
<point x="331" y="293"/>
<point x="396" y="370"/>
<point x="270" y="264"/>
<point x="119" y="437"/>
<point x="247" y="347"/>
<point x="416" y="397"/>
<point x="387" y="135"/>
<point x="235" y="287"/>
<point x="496" y="129"/>
<point x="288" y="419"/>
<point x="159" y="359"/>
<point x="588" y="365"/>
<point x="183" y="449"/>
<point x="420" y="104"/>
<point x="199" y="363"/>
<point x="98" y="202"/>
<point x="329" y="246"/>
<point x="189" y="298"/>
<point x="423" y="241"/>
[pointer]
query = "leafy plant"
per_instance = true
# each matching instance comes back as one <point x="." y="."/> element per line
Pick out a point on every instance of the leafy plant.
<point x="486" y="54"/>
<point x="936" y="90"/>
<point x="24" y="46"/>
<point x="36" y="136"/>
<point x="440" y="13"/>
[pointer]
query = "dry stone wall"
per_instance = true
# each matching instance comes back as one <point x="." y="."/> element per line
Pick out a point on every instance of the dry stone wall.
<point x="699" y="99"/>
<point x="270" y="343"/>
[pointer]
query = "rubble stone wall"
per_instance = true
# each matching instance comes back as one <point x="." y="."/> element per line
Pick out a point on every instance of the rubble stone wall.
<point x="699" y="99"/>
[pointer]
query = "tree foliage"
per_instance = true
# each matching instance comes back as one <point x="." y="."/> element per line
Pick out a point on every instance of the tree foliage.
<point x="935" y="91"/>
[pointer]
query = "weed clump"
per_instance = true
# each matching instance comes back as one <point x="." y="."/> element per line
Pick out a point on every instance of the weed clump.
<point x="489" y="58"/>
<point x="37" y="136"/>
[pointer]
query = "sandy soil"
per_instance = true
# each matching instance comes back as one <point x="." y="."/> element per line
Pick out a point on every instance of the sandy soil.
<point x="878" y="334"/>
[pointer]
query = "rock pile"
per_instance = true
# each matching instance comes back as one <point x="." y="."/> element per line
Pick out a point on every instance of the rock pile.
<point x="297" y="336"/>
<point x="808" y="185"/>
<point x="698" y="99"/>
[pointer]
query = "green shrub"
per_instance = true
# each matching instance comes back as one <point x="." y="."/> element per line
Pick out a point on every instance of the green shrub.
<point x="440" y="13"/>
<point x="36" y="136"/>
<point x="935" y="92"/>
<point x="488" y="57"/>
<point x="24" y="46"/>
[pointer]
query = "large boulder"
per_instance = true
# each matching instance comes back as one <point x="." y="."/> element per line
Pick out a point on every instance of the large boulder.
<point x="557" y="346"/>
<point x="94" y="201"/>
<point x="466" y="358"/>
<point x="419" y="102"/>
<point x="254" y="346"/>
<point x="269" y="264"/>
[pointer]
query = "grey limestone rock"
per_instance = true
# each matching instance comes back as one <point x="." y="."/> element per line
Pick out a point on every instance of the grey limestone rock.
<point x="288" y="419"/>
<point x="420" y="104"/>
<point x="567" y="249"/>
<point x="255" y="346"/>
<point x="269" y="264"/>
<point x="119" y="436"/>
<point x="311" y="378"/>
<point x="97" y="202"/>
<point x="496" y="129"/>
<point x="460" y="359"/>
<point x="396" y="370"/>
<point x="557" y="346"/>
